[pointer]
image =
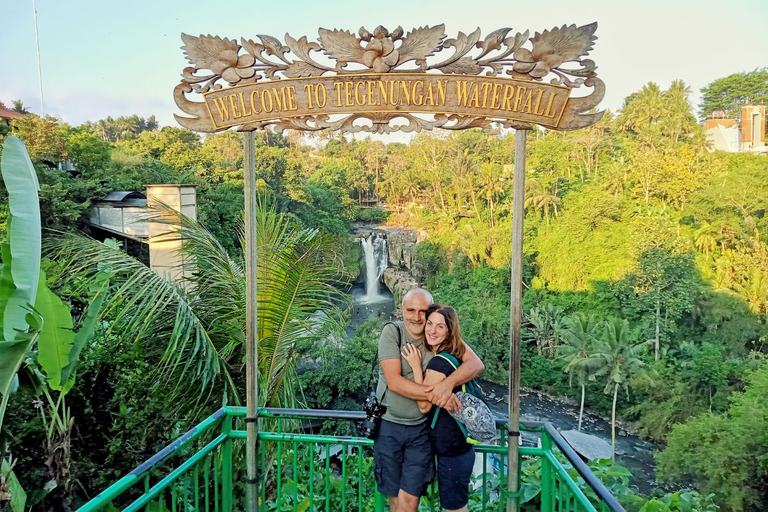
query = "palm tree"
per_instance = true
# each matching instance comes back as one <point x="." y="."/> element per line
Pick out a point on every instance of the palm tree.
<point x="642" y="113"/>
<point x="678" y="119"/>
<point x="616" y="356"/>
<point x="704" y="238"/>
<point x="753" y="288"/>
<point x="577" y="336"/>
<point x="539" y="196"/>
<point x="492" y="185"/>
<point x="18" y="107"/>
<point x="197" y="332"/>
<point x="410" y="184"/>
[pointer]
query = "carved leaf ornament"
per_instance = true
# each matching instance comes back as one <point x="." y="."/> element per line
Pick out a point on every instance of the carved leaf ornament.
<point x="385" y="81"/>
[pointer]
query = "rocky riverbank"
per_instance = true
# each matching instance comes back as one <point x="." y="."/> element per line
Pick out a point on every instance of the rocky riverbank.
<point x="631" y="452"/>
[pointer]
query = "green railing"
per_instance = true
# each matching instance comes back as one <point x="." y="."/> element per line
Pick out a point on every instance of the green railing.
<point x="204" y="471"/>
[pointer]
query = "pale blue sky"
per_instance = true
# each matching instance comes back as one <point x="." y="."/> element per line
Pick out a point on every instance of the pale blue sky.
<point x="106" y="57"/>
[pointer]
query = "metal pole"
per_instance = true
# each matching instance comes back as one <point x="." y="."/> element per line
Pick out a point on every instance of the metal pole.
<point x="39" y="65"/>
<point x="516" y="320"/>
<point x="251" y="346"/>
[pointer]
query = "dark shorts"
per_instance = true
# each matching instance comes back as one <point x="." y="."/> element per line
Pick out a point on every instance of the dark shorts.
<point x="402" y="459"/>
<point x="453" y="475"/>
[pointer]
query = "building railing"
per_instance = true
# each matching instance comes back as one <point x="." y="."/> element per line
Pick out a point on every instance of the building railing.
<point x="204" y="471"/>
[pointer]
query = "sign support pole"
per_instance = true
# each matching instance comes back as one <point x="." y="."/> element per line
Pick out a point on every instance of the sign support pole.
<point x="516" y="320"/>
<point x="251" y="338"/>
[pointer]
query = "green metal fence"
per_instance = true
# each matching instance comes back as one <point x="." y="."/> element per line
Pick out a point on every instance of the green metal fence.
<point x="204" y="471"/>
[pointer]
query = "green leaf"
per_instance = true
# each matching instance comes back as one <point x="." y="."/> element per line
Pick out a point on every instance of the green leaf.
<point x="57" y="337"/>
<point x="530" y="491"/>
<point x="18" y="497"/>
<point x="21" y="255"/>
<point x="21" y="260"/>
<point x="12" y="353"/>
<point x="86" y="329"/>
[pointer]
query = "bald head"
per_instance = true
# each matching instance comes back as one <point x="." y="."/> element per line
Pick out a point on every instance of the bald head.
<point x="418" y="291"/>
<point x="415" y="304"/>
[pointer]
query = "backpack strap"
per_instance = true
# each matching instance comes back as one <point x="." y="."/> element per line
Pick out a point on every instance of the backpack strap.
<point x="376" y="356"/>
<point x="455" y="365"/>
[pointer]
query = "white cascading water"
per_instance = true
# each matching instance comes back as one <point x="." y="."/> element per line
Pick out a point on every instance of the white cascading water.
<point x="376" y="259"/>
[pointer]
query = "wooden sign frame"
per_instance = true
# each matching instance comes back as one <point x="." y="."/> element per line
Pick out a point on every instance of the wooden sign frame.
<point x="348" y="82"/>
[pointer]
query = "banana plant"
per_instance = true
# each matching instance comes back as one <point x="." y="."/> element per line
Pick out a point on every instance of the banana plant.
<point x="32" y="315"/>
<point x="19" y="277"/>
<point x="20" y="326"/>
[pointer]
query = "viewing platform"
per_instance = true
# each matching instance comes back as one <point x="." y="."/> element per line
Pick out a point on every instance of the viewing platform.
<point x="204" y="470"/>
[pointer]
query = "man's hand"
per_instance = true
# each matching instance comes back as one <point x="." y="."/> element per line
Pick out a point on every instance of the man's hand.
<point x="440" y="394"/>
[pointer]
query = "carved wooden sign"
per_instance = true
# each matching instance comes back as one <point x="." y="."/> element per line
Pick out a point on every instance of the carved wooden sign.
<point x="383" y="82"/>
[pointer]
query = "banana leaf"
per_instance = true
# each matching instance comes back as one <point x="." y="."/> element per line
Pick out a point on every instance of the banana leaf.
<point x="21" y="260"/>
<point x="57" y="337"/>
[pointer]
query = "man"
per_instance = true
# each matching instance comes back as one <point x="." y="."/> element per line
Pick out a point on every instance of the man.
<point x="403" y="461"/>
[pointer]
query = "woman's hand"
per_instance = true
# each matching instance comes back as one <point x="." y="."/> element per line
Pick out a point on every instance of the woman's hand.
<point x="412" y="355"/>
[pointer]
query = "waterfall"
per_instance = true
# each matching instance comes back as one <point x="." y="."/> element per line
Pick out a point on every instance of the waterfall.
<point x="376" y="259"/>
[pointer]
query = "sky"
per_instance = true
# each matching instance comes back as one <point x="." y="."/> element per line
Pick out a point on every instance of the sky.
<point x="104" y="58"/>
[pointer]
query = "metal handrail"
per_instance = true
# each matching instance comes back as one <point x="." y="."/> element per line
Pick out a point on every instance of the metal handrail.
<point x="133" y="477"/>
<point x="601" y="490"/>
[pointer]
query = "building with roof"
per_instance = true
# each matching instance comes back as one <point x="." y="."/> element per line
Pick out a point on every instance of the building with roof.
<point x="129" y="217"/>
<point x="736" y="136"/>
<point x="7" y="115"/>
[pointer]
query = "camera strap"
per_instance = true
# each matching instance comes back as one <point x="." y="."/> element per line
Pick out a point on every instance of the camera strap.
<point x="376" y="357"/>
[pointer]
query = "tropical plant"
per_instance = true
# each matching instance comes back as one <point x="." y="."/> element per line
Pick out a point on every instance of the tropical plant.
<point x="577" y="336"/>
<point x="47" y="346"/>
<point x="20" y="273"/>
<point x="197" y="327"/>
<point x="705" y="238"/>
<point x="616" y="357"/>
<point x="543" y="328"/>
<point x="541" y="196"/>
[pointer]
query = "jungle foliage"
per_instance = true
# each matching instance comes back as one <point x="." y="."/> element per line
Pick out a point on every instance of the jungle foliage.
<point x="645" y="267"/>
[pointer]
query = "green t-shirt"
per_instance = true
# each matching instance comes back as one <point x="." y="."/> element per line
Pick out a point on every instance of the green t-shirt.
<point x="401" y="410"/>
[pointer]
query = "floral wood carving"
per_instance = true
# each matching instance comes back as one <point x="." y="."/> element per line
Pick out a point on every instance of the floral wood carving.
<point x="554" y="56"/>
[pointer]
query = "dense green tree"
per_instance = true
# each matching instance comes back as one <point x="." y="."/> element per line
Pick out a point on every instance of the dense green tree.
<point x="725" y="452"/>
<point x="122" y="128"/>
<point x="730" y="93"/>
<point x="659" y="291"/>
<point x="45" y="138"/>
<point x="88" y="152"/>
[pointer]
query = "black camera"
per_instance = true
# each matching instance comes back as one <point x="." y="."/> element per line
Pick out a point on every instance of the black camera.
<point x="373" y="412"/>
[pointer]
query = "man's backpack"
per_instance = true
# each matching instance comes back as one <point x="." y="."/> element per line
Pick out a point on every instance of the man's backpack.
<point x="475" y="418"/>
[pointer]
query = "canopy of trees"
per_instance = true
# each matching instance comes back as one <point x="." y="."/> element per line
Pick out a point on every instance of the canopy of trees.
<point x="646" y="273"/>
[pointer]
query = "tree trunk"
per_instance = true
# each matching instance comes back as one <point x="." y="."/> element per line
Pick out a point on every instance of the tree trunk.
<point x="613" y="422"/>
<point x="658" y="318"/>
<point x="581" y="408"/>
<point x="491" y="202"/>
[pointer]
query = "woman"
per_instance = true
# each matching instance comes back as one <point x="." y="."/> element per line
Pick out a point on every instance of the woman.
<point x="455" y="456"/>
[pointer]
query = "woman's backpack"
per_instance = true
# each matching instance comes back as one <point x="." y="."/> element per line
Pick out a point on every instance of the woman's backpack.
<point x="475" y="418"/>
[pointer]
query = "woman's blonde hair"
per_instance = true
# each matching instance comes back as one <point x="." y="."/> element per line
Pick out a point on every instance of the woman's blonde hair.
<point x="453" y="344"/>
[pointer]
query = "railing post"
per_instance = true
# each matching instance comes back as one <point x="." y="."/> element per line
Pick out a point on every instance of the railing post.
<point x="546" y="474"/>
<point x="251" y="338"/>
<point x="516" y="321"/>
<point x="226" y="465"/>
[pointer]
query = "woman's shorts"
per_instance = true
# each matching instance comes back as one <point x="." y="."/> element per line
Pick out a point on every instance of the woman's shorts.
<point x="453" y="475"/>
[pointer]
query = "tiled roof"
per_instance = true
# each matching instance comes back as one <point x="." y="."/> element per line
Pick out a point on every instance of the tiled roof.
<point x="9" y="114"/>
